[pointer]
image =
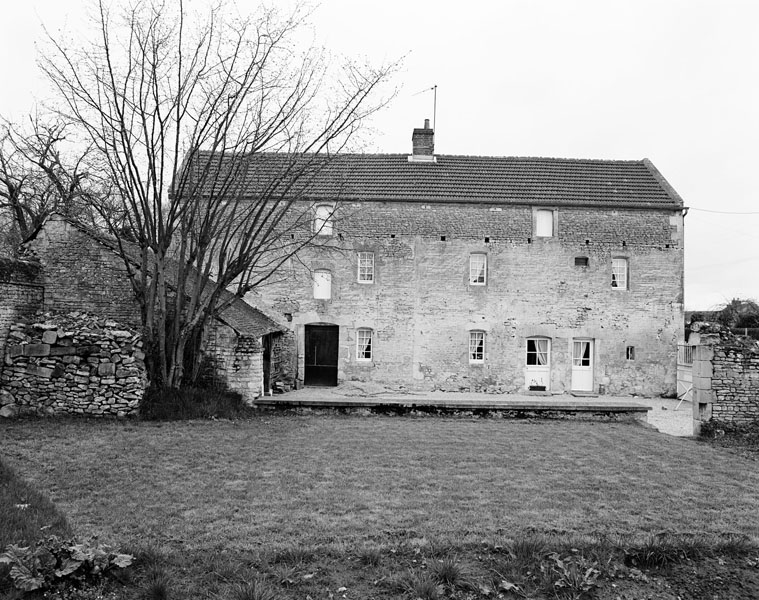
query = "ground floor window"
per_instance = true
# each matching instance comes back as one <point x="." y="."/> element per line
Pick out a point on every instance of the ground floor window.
<point x="476" y="346"/>
<point x="537" y="351"/>
<point x="364" y="344"/>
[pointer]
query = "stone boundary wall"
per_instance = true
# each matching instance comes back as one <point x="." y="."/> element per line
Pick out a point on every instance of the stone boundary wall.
<point x="725" y="377"/>
<point x="72" y="364"/>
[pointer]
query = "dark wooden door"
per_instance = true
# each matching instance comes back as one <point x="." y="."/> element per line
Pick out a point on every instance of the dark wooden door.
<point x="321" y="354"/>
<point x="267" y="363"/>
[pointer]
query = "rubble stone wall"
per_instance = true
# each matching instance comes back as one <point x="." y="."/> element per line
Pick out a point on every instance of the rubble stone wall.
<point x="20" y="296"/>
<point x="725" y="376"/>
<point x="236" y="361"/>
<point x="80" y="273"/>
<point x="72" y="364"/>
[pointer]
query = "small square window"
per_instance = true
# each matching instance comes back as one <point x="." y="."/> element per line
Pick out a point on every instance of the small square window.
<point x="322" y="285"/>
<point x="544" y="223"/>
<point x="366" y="267"/>
<point x="630" y="353"/>
<point x="476" y="346"/>
<point x="581" y="261"/>
<point x="364" y="344"/>
<point x="323" y="219"/>
<point x="619" y="273"/>
<point x="478" y="269"/>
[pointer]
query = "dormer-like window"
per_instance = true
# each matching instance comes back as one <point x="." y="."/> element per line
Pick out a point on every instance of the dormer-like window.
<point x="323" y="224"/>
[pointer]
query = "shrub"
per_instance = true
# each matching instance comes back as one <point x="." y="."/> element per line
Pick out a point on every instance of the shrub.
<point x="192" y="403"/>
<point x="52" y="560"/>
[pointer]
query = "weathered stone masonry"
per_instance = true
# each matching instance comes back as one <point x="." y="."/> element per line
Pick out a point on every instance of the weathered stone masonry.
<point x="20" y="296"/>
<point x="725" y="377"/>
<point x="72" y="364"/>
<point x="421" y="306"/>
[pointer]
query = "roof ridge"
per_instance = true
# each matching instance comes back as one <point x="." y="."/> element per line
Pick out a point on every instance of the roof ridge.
<point x="404" y="155"/>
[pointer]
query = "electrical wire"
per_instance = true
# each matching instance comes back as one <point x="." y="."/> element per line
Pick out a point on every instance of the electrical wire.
<point x="723" y="212"/>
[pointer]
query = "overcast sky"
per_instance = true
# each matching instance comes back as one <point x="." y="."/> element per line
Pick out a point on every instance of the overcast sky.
<point x="676" y="81"/>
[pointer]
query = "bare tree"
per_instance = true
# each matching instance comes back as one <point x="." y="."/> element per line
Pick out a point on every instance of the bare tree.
<point x="39" y="175"/>
<point x="211" y="130"/>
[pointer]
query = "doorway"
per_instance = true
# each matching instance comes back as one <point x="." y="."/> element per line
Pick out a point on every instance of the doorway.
<point x="321" y="343"/>
<point x="538" y="364"/>
<point x="582" y="365"/>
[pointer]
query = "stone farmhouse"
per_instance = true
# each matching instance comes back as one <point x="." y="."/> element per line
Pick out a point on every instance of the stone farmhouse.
<point x="496" y="274"/>
<point x="70" y="269"/>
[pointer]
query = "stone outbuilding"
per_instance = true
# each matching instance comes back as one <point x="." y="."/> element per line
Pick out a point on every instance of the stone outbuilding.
<point x="69" y="268"/>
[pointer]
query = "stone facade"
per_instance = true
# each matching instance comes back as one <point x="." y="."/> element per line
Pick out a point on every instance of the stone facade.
<point x="421" y="306"/>
<point x="72" y="364"/>
<point x="725" y="376"/>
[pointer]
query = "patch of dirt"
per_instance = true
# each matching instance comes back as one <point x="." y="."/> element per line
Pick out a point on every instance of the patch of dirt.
<point x="704" y="579"/>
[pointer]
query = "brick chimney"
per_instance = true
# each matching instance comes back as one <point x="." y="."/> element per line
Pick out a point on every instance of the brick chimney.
<point x="423" y="141"/>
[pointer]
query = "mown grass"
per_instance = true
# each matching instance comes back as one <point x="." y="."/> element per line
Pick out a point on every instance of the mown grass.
<point x="310" y="504"/>
<point x="27" y="515"/>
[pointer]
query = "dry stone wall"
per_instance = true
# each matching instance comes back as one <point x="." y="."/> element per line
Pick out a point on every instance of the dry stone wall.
<point x="725" y="376"/>
<point x="72" y="364"/>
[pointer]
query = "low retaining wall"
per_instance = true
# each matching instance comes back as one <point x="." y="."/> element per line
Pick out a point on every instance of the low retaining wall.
<point x="72" y="364"/>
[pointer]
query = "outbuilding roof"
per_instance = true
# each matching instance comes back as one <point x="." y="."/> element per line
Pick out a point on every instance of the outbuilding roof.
<point x="467" y="179"/>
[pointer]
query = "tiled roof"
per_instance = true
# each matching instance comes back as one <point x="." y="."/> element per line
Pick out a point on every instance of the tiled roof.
<point x="472" y="179"/>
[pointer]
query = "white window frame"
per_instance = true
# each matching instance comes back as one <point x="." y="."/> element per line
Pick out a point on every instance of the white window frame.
<point x="361" y="350"/>
<point x="323" y="222"/>
<point x="620" y="273"/>
<point x="544" y="222"/>
<point x="365" y="272"/>
<point x="476" y="270"/>
<point x="546" y="353"/>
<point x="476" y="347"/>
<point x="322" y="284"/>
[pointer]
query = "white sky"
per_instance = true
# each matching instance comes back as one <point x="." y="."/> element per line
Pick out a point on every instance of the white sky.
<point x="676" y="81"/>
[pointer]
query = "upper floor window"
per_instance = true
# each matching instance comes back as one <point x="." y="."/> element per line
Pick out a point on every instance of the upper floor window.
<point x="478" y="268"/>
<point x="619" y="273"/>
<point x="544" y="223"/>
<point x="364" y="344"/>
<point x="322" y="284"/>
<point x="366" y="267"/>
<point x="323" y="219"/>
<point x="476" y="346"/>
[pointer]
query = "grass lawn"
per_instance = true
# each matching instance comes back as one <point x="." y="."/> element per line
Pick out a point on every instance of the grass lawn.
<point x="278" y="482"/>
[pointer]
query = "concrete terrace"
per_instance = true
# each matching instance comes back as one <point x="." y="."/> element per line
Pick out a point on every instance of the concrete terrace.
<point x="661" y="413"/>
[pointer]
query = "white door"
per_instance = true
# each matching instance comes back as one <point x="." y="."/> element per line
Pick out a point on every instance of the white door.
<point x="537" y="371"/>
<point x="582" y="365"/>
